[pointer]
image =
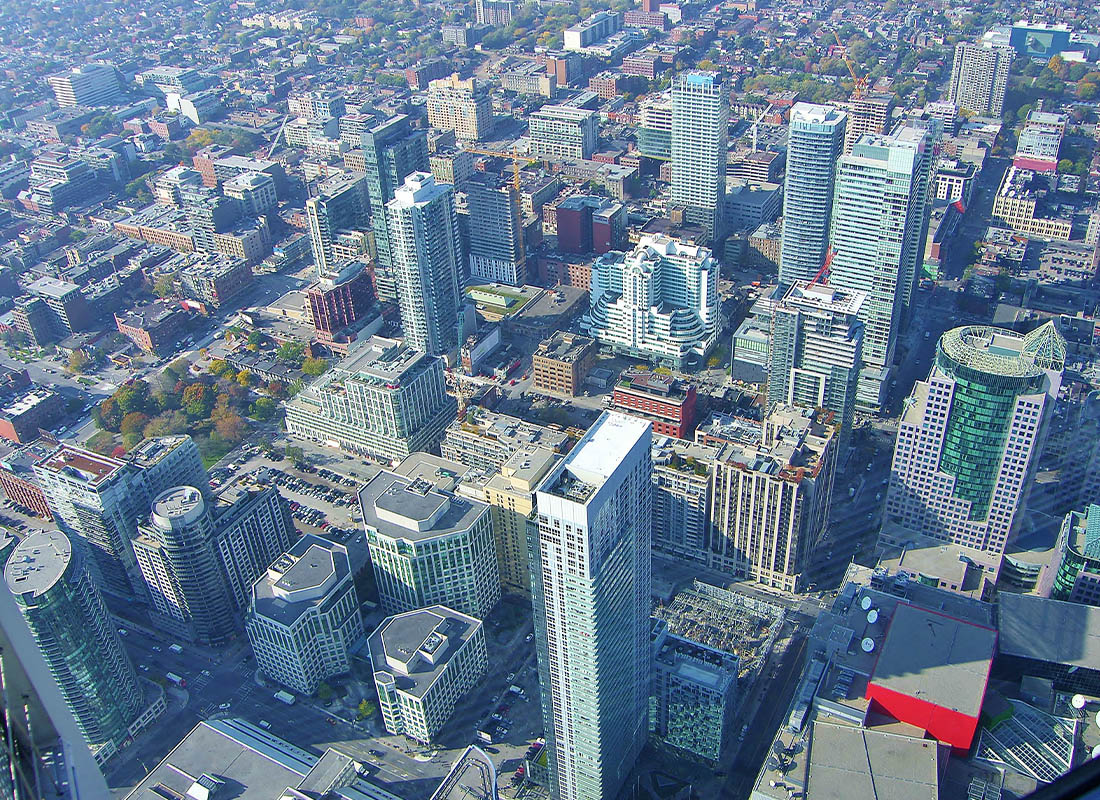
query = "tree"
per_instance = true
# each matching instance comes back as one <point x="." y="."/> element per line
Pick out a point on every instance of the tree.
<point x="218" y="367"/>
<point x="244" y="378"/>
<point x="264" y="408"/>
<point x="366" y="710"/>
<point x="295" y="454"/>
<point x="276" y="389"/>
<point x="198" y="401"/>
<point x="108" y="415"/>
<point x="256" y="338"/>
<point x="132" y="396"/>
<point x="314" y="366"/>
<point x="132" y="423"/>
<point x="231" y="427"/>
<point x="167" y="424"/>
<point x="79" y="361"/>
<point x="291" y="352"/>
<point x="325" y="692"/>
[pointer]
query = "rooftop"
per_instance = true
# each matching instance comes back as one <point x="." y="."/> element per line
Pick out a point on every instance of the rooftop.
<point x="180" y="504"/>
<point x="792" y="444"/>
<point x="52" y="287"/>
<point x="565" y="346"/>
<point x="507" y="430"/>
<point x="472" y="777"/>
<point x="998" y="351"/>
<point x="596" y="456"/>
<point x="412" y="509"/>
<point x="415" y="647"/>
<point x="38" y="562"/>
<point x="936" y="658"/>
<point x="25" y="401"/>
<point x="381" y="359"/>
<point x="1049" y="630"/>
<point x="81" y="465"/>
<point x="846" y="761"/>
<point x="300" y="579"/>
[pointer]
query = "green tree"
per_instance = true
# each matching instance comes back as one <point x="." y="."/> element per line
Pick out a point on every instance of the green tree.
<point x="198" y="401"/>
<point x="218" y="367"/>
<point x="256" y="338"/>
<point x="79" y="361"/>
<point x="264" y="408"/>
<point x="132" y="396"/>
<point x="314" y="366"/>
<point x="295" y="454"/>
<point x="291" y="352"/>
<point x="325" y="692"/>
<point x="366" y="710"/>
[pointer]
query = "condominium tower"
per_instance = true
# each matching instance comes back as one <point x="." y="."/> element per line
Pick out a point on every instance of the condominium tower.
<point x="591" y="596"/>
<point x="496" y="230"/>
<point x="659" y="302"/>
<point x="879" y="208"/>
<point x="460" y="106"/>
<point x="814" y="141"/>
<point x="979" y="75"/>
<point x="560" y="132"/>
<point x="969" y="440"/>
<point x="72" y="628"/>
<point x="340" y="207"/>
<point x="700" y="136"/>
<point x="426" y="256"/>
<point x="815" y="350"/>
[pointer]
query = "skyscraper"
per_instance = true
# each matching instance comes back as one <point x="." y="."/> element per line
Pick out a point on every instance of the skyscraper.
<point x="969" y="440"/>
<point x="700" y="136"/>
<point x="101" y="499"/>
<point x="879" y="206"/>
<point x="815" y="350"/>
<point x="69" y="622"/>
<point x="178" y="558"/>
<point x="868" y="114"/>
<point x="341" y="204"/>
<point x="426" y="255"/>
<point x="815" y="139"/>
<point x="496" y="229"/>
<point x="461" y="106"/>
<point x="658" y="302"/>
<point x="591" y="575"/>
<point x="979" y="75"/>
<point x="770" y="504"/>
<point x="392" y="150"/>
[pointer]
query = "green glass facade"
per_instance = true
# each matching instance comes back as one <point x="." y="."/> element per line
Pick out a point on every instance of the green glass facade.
<point x="1079" y="543"/>
<point x="981" y="415"/>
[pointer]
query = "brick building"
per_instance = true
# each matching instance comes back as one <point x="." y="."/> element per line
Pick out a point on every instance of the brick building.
<point x="561" y="363"/>
<point x="667" y="403"/>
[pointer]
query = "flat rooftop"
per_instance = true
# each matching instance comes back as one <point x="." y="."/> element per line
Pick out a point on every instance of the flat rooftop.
<point x="596" y="456"/>
<point x="52" y="287"/>
<point x="81" y="465"/>
<point x="936" y="658"/>
<point x="379" y="358"/>
<point x="25" y="402"/>
<point x="1049" y="630"/>
<point x="850" y="762"/>
<point x="472" y="777"/>
<point x="413" y="509"/>
<point x="565" y="347"/>
<point x="415" y="647"/>
<point x="38" y="562"/>
<point x="300" y="579"/>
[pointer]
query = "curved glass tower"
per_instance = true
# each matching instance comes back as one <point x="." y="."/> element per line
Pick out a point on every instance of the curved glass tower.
<point x="970" y="437"/>
<point x="69" y="622"/>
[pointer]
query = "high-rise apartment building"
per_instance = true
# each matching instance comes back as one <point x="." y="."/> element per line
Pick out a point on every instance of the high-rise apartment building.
<point x="496" y="228"/>
<point x="254" y="527"/>
<point x="770" y="500"/>
<point x="561" y="132"/>
<point x="385" y="400"/>
<point x="70" y="624"/>
<point x="497" y="13"/>
<point x="867" y="114"/>
<point x="304" y="615"/>
<point x="815" y="350"/>
<point x="87" y="85"/>
<point x="429" y="546"/>
<point x="591" y="578"/>
<point x="700" y="139"/>
<point x="969" y="440"/>
<point x="177" y="554"/>
<point x="979" y="75"/>
<point x="317" y="104"/>
<point x="681" y="498"/>
<point x="814" y="141"/>
<point x="426" y="255"/>
<point x="254" y="192"/>
<point x="393" y="150"/>
<point x="880" y="206"/>
<point x="460" y="106"/>
<point x="511" y="495"/>
<point x="655" y="126"/>
<point x="659" y="302"/>
<point x="101" y="499"/>
<point x="341" y="205"/>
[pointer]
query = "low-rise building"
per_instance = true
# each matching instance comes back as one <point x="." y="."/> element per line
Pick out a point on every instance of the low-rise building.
<point x="424" y="662"/>
<point x="18" y="481"/>
<point x="304" y="615"/>
<point x="561" y="363"/>
<point x="154" y="327"/>
<point x="483" y="439"/>
<point x="1025" y="203"/>
<point x="668" y="403"/>
<point x="215" y="278"/>
<point x="428" y="546"/>
<point x="23" y="414"/>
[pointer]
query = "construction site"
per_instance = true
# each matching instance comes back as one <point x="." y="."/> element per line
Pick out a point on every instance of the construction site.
<point x="744" y="626"/>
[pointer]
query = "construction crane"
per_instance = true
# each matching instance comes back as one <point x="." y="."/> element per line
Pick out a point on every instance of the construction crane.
<point x="278" y="136"/>
<point x="821" y="273"/>
<point x="860" y="87"/>
<point x="518" y="162"/>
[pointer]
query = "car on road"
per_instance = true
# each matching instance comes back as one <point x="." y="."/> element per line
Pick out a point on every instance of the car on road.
<point x="224" y="706"/>
<point x="377" y="753"/>
<point x="530" y="637"/>
<point x="511" y="677"/>
<point x="265" y="724"/>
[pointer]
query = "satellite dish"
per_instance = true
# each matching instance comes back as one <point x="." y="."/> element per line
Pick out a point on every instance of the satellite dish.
<point x="865" y="603"/>
<point x="868" y="645"/>
<point x="1097" y="719"/>
<point x="872" y="616"/>
<point x="1078" y="701"/>
<point x="1096" y="751"/>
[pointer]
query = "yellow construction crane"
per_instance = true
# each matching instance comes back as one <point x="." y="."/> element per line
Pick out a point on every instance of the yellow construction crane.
<point x="518" y="162"/>
<point x="860" y="87"/>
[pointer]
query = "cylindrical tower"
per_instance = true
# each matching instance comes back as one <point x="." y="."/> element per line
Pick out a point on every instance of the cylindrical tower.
<point x="177" y="555"/>
<point x="68" y="620"/>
